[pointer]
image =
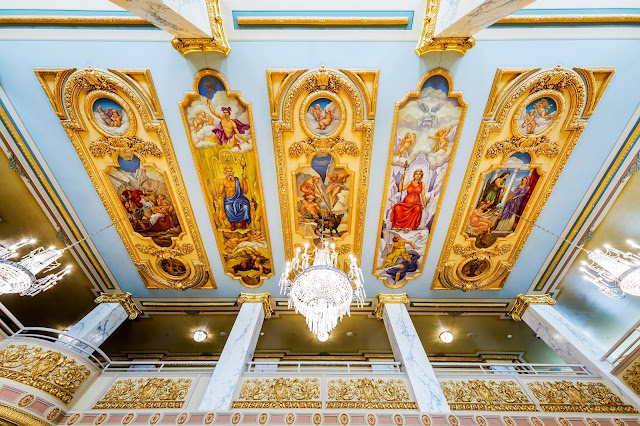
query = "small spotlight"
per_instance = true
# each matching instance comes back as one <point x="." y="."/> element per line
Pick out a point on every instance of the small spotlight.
<point x="323" y="337"/>
<point x="349" y="333"/>
<point x="446" y="336"/>
<point x="223" y="333"/>
<point x="199" y="336"/>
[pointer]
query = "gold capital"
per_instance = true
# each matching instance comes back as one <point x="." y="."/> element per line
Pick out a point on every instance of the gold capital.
<point x="123" y="299"/>
<point x="389" y="298"/>
<point x="524" y="300"/>
<point x="257" y="298"/>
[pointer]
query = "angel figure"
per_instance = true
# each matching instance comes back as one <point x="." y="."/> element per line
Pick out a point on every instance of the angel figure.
<point x="441" y="139"/>
<point x="111" y="117"/>
<point x="408" y="141"/>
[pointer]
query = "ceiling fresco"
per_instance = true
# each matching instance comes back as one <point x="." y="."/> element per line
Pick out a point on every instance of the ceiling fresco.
<point x="129" y="157"/>
<point x="219" y="125"/>
<point x="219" y="166"/>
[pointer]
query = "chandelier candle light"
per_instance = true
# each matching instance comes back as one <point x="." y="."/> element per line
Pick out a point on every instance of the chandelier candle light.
<point x="319" y="290"/>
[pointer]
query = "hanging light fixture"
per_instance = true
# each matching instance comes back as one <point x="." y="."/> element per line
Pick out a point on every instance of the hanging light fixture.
<point x="20" y="277"/>
<point x="318" y="289"/>
<point x="614" y="272"/>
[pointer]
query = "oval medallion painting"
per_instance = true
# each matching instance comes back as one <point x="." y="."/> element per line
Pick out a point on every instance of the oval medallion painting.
<point x="537" y="116"/>
<point x="111" y="116"/>
<point x="173" y="267"/>
<point x="323" y="116"/>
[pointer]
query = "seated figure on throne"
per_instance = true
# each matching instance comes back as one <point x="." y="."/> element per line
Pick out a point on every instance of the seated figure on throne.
<point x="231" y="192"/>
<point x="407" y="214"/>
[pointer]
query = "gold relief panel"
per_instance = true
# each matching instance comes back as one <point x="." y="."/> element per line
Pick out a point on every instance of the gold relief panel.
<point x="126" y="150"/>
<point x="219" y="126"/>
<point x="578" y="397"/>
<point x="44" y="369"/>
<point x="535" y="118"/>
<point x="486" y="395"/>
<point x="364" y="393"/>
<point x="631" y="377"/>
<point x="145" y="393"/>
<point x="426" y="128"/>
<point x="279" y="393"/>
<point x="322" y="142"/>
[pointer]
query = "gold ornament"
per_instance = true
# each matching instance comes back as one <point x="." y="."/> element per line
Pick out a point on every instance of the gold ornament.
<point x="632" y="377"/>
<point x="486" y="395"/>
<point x="582" y="397"/>
<point x="363" y="393"/>
<point x="279" y="393"/>
<point x="123" y="299"/>
<point x="136" y="394"/>
<point x="263" y="298"/>
<point x="523" y="301"/>
<point x="389" y="298"/>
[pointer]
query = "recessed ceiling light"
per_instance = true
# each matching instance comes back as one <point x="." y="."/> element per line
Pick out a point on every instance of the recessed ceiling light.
<point x="349" y="333"/>
<point x="223" y="333"/>
<point x="509" y="336"/>
<point x="323" y="337"/>
<point x="199" y="335"/>
<point x="446" y="336"/>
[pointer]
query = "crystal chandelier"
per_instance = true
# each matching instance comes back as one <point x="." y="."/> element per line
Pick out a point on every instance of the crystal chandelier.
<point x="319" y="290"/>
<point x="20" y="277"/>
<point x="614" y="272"/>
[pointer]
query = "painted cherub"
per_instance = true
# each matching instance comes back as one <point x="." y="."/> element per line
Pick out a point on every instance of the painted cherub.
<point x="316" y="111"/>
<point x="530" y="122"/>
<point x="542" y="107"/>
<point x="441" y="138"/>
<point x="408" y="141"/>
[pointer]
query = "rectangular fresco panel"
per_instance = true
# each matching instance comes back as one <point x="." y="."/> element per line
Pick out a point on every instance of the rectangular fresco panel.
<point x="424" y="138"/>
<point x="220" y="130"/>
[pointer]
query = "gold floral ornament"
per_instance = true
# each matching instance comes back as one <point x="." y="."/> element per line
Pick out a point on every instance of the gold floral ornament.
<point x="217" y="42"/>
<point x="363" y="393"/>
<point x="137" y="394"/>
<point x="124" y="299"/>
<point x="540" y="145"/>
<point x="166" y="253"/>
<point x="523" y="301"/>
<point x="46" y="370"/>
<point x="486" y="395"/>
<point x="279" y="393"/>
<point x="429" y="43"/>
<point x="311" y="145"/>
<point x="632" y="377"/>
<point x="111" y="145"/>
<point x="582" y="397"/>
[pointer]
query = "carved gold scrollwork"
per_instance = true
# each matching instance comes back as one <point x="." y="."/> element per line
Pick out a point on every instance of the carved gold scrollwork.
<point x="322" y="80"/>
<point x="312" y="145"/>
<point x="540" y="145"/>
<point x="364" y="393"/>
<point x="585" y="397"/>
<point x="484" y="253"/>
<point x="165" y="253"/>
<point x="46" y="370"/>
<point x="632" y="377"/>
<point x="486" y="395"/>
<point x="154" y="392"/>
<point x="113" y="145"/>
<point x="279" y="393"/>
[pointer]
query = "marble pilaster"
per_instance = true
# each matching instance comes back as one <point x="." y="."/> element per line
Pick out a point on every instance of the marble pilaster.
<point x="97" y="325"/>
<point x="408" y="349"/>
<point x="237" y="352"/>
<point x="464" y="18"/>
<point x="573" y="346"/>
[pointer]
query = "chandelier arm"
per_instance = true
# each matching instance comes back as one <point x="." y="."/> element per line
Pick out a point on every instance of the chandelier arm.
<point x="571" y="243"/>
<point x="102" y="229"/>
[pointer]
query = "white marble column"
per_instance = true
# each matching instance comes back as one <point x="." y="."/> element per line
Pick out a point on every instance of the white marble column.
<point x="408" y="349"/>
<point x="464" y="18"/>
<point x="237" y="352"/>
<point x="573" y="346"/>
<point x="101" y="322"/>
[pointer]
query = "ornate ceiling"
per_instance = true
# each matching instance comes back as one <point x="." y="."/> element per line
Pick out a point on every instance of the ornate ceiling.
<point x="421" y="165"/>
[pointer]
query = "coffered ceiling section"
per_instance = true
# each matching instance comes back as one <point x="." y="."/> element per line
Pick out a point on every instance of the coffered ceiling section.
<point x="114" y="121"/>
<point x="322" y="136"/>
<point x="226" y="160"/>
<point x="533" y="120"/>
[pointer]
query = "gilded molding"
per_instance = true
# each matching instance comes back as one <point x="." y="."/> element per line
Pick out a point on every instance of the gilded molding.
<point x="575" y="396"/>
<point x="570" y="19"/>
<point x="279" y="393"/>
<point x="362" y="78"/>
<point x="536" y="125"/>
<point x="218" y="41"/>
<point x="144" y="393"/>
<point x="382" y="299"/>
<point x="277" y="82"/>
<point x="124" y="299"/>
<point x="364" y="393"/>
<point x="524" y="300"/>
<point x="19" y="417"/>
<point x="302" y="193"/>
<point x="72" y="20"/>
<point x="323" y="21"/>
<point x="141" y="79"/>
<point x="429" y="43"/>
<point x="135" y="140"/>
<point x="263" y="298"/>
<point x="486" y="395"/>
<point x="632" y="377"/>
<point x="243" y="240"/>
<point x="426" y="123"/>
<point x="46" y="370"/>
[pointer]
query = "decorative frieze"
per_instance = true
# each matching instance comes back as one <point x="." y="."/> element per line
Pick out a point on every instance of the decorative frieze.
<point x="578" y="397"/>
<point x="279" y="393"/>
<point x="377" y="394"/>
<point x="145" y="393"/>
<point x="486" y="395"/>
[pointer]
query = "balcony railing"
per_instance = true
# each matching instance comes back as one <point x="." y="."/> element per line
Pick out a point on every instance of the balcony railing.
<point x="625" y="346"/>
<point x="347" y="367"/>
<point x="465" y="369"/>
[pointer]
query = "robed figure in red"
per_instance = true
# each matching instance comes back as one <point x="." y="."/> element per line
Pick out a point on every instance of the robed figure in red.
<point x="407" y="214"/>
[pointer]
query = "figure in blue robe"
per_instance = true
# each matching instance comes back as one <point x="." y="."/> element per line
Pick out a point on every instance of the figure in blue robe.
<point x="408" y="264"/>
<point x="237" y="208"/>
